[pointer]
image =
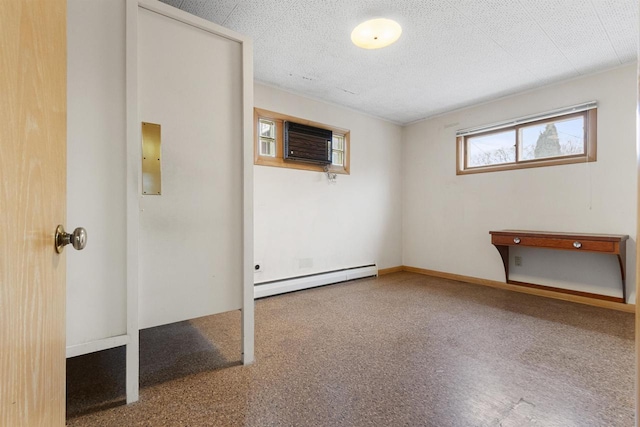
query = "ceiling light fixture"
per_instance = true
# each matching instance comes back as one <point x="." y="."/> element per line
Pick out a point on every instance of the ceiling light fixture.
<point x="376" y="33"/>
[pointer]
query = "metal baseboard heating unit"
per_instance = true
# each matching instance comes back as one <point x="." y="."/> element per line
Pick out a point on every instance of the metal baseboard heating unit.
<point x="267" y="289"/>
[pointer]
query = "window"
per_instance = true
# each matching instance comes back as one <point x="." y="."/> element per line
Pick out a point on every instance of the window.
<point x="337" y="150"/>
<point x="269" y="146"/>
<point x="556" y="138"/>
<point x="267" y="137"/>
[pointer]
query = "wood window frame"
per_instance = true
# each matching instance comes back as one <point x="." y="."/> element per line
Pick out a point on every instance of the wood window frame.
<point x="590" y="149"/>
<point x="278" y="160"/>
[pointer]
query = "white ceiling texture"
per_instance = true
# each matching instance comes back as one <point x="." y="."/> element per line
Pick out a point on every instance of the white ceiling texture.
<point x="452" y="53"/>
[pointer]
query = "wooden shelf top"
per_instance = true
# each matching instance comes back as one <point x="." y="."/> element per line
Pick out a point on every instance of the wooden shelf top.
<point x="559" y="235"/>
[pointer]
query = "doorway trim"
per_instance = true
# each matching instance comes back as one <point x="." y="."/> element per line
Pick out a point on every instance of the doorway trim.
<point x="637" y="336"/>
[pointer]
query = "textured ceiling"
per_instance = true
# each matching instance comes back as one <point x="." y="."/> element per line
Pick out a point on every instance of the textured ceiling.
<point x="452" y="53"/>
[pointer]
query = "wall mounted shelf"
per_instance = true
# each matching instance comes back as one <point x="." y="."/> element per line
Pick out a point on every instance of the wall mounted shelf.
<point x="613" y="244"/>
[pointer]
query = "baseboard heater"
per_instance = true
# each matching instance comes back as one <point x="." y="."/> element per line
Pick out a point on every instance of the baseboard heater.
<point x="267" y="289"/>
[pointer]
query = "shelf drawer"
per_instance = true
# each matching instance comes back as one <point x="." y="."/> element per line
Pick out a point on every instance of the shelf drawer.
<point x="551" y="243"/>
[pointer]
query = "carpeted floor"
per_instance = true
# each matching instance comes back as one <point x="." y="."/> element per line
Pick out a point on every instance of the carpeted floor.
<point x="400" y="350"/>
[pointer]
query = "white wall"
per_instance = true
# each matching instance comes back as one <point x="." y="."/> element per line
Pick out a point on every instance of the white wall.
<point x="305" y="224"/>
<point x="96" y="143"/>
<point x="447" y="218"/>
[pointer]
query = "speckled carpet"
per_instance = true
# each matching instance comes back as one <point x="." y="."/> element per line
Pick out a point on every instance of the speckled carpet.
<point x="399" y="350"/>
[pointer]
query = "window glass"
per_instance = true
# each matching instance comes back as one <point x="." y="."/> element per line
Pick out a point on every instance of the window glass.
<point x="338" y="158"/>
<point x="267" y="147"/>
<point x="491" y="149"/>
<point x="267" y="128"/>
<point x="337" y="155"/>
<point x="553" y="139"/>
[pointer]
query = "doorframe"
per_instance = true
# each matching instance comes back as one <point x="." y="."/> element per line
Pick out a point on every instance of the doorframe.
<point x="134" y="179"/>
<point x="637" y="323"/>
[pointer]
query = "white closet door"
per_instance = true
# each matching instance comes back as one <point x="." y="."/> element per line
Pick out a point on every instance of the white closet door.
<point x="191" y="259"/>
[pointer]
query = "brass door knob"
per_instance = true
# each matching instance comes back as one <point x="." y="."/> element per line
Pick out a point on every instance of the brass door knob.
<point x="78" y="238"/>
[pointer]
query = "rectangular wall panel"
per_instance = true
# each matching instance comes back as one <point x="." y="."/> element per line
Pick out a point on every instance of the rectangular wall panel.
<point x="96" y="172"/>
<point x="191" y="235"/>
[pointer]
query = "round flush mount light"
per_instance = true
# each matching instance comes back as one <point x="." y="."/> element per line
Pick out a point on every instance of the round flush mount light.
<point x="376" y="33"/>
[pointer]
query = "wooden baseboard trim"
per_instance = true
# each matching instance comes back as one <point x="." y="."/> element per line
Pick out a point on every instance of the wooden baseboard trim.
<point x="567" y="291"/>
<point x="629" y="308"/>
<point x="384" y="271"/>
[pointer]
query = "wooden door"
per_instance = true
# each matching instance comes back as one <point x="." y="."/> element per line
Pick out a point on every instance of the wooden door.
<point x="32" y="203"/>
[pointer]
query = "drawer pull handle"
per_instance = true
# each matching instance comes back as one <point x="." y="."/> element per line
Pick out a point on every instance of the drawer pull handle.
<point x="516" y="240"/>
<point x="577" y="245"/>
